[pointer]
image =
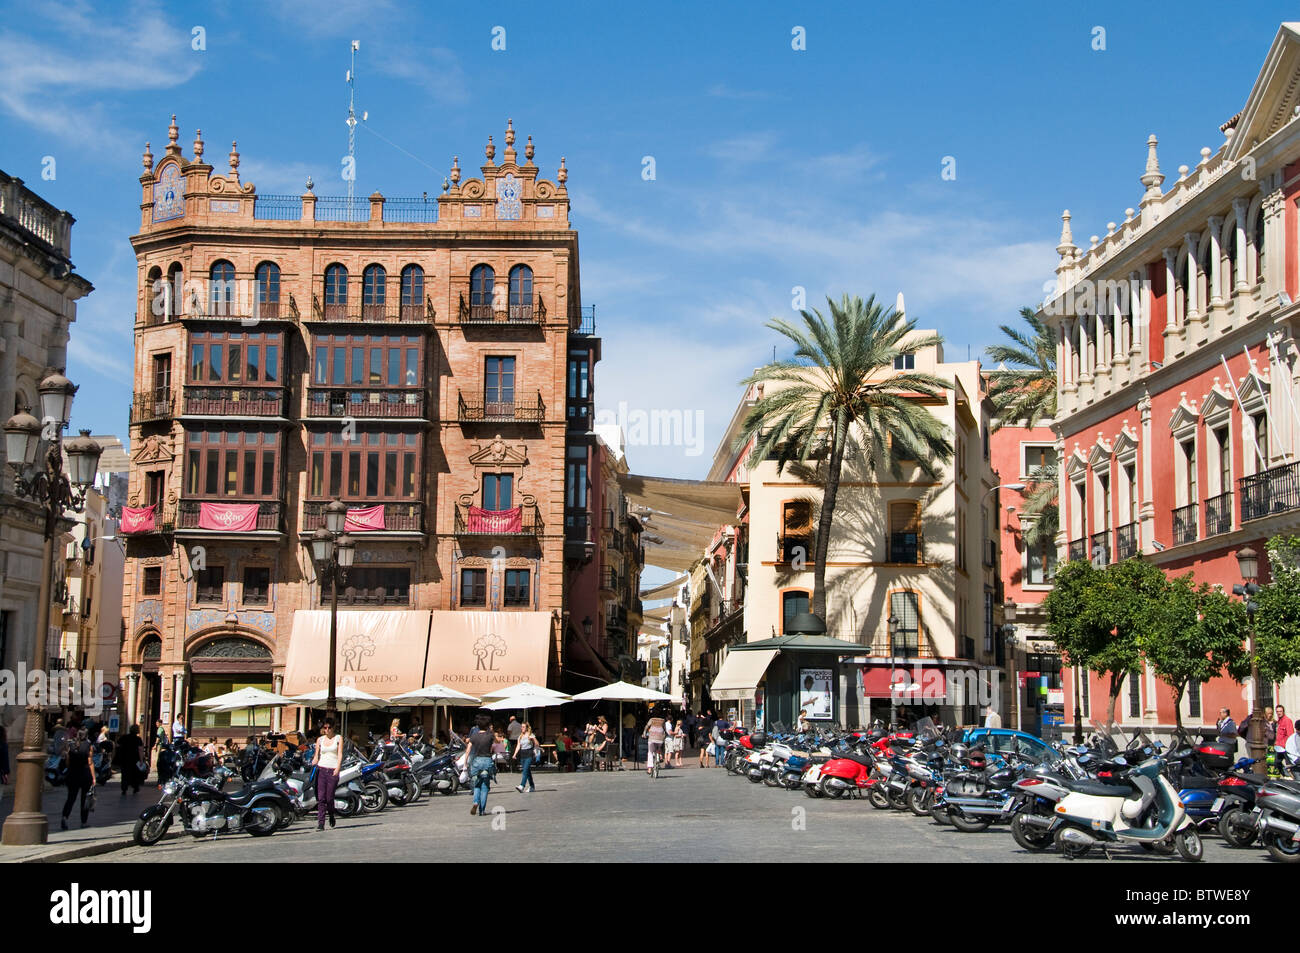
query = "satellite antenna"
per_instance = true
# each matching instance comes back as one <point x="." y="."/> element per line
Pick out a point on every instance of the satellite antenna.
<point x="352" y="124"/>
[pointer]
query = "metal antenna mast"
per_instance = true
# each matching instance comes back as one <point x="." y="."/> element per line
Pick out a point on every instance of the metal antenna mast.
<point x="352" y="124"/>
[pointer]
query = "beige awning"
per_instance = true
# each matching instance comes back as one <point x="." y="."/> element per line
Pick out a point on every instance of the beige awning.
<point x="665" y="590"/>
<point x="740" y="674"/>
<point x="378" y="651"/>
<point x="683" y="517"/>
<point x="480" y="652"/>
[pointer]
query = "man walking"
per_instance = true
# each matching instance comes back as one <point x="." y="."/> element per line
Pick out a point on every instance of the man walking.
<point x="991" y="718"/>
<point x="1285" y="729"/>
<point x="1226" y="726"/>
<point x="513" y="730"/>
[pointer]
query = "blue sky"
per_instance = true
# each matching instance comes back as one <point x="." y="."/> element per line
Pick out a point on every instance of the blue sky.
<point x="774" y="168"/>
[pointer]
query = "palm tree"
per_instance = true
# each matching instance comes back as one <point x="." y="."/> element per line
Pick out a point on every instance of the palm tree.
<point x="1026" y="391"/>
<point x="840" y="391"/>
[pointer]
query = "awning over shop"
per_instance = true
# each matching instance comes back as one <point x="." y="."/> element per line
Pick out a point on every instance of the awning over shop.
<point x="479" y="652"/>
<point x="914" y="684"/>
<point x="801" y="643"/>
<point x="683" y="517"/>
<point x="665" y="590"/>
<point x="740" y="674"/>
<point x="380" y="652"/>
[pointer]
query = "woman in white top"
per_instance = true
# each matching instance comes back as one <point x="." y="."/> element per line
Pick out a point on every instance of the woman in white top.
<point x="329" y="755"/>
<point x="526" y="751"/>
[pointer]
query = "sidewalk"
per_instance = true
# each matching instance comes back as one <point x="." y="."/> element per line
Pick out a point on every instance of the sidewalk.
<point x="109" y="826"/>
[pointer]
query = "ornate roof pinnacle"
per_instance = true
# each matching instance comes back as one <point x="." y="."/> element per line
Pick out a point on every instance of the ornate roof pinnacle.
<point x="198" y="145"/>
<point x="455" y="170"/>
<point x="1066" y="248"/>
<point x="528" y="150"/>
<point x="147" y="158"/>
<point x="173" y="132"/>
<point x="490" y="151"/>
<point x="562" y="174"/>
<point x="234" y="159"/>
<point x="1152" y="177"/>
<point x="510" y="132"/>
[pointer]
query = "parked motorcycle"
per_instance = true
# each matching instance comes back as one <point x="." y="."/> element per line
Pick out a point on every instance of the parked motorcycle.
<point x="259" y="809"/>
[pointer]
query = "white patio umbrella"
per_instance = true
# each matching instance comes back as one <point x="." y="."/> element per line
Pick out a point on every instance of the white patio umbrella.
<point x="622" y="692"/>
<point x="525" y="702"/>
<point x="346" y="697"/>
<point x="247" y="697"/>
<point x="437" y="694"/>
<point x="525" y="688"/>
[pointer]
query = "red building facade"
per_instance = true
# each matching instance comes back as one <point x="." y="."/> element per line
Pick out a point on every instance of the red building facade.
<point x="1177" y="428"/>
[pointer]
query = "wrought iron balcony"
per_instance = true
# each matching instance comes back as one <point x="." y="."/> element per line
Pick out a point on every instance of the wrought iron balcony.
<point x="1126" y="541"/>
<point x="498" y="522"/>
<point x="269" y="514"/>
<point x="609" y="580"/>
<point x="380" y="313"/>
<point x="202" y="401"/>
<point x="517" y="313"/>
<point x="792" y="546"/>
<point x="244" y="313"/>
<point x="1185" y="528"/>
<point x="583" y="321"/>
<point x="1218" y="514"/>
<point x="400" y="517"/>
<point x="366" y="402"/>
<point x="1276" y="490"/>
<point x="910" y="645"/>
<point x="1078" y="549"/>
<point x="1100" y="541"/>
<point x="500" y="411"/>
<point x="152" y="405"/>
<point x="905" y="548"/>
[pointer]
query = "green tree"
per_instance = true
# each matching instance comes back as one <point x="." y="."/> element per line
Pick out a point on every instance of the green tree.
<point x="1098" y="617"/>
<point x="1277" y="620"/>
<point x="1195" y="632"/>
<point x="840" y="393"/>
<point x="1023" y="388"/>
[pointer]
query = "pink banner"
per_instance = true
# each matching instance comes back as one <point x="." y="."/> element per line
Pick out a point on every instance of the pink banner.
<point x="496" y="521"/>
<point x="365" y="520"/>
<point x="138" y="519"/>
<point x="228" y="517"/>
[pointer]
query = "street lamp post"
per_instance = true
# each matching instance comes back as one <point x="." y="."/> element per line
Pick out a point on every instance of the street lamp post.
<point x="1009" y="636"/>
<point x="333" y="550"/>
<point x="1248" y="563"/>
<point x="59" y="493"/>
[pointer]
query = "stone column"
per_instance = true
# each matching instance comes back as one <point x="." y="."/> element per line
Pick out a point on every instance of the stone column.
<point x="1140" y="307"/>
<point x="1215" y="225"/>
<point x="1174" y="331"/>
<point x="277" y="686"/>
<point x="1274" y="242"/>
<point x="1239" y="208"/>
<point x="1146" y="508"/>
<point x="132" y="699"/>
<point x="178" y="700"/>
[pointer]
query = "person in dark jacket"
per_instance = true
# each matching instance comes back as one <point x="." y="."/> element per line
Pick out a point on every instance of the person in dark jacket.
<point x="81" y="776"/>
<point x="130" y="753"/>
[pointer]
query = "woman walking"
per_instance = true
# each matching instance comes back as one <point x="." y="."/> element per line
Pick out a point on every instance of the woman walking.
<point x="482" y="769"/>
<point x="81" y="776"/>
<point x="654" y="734"/>
<point x="329" y="751"/>
<point x="526" y="751"/>
<point x="130" y="755"/>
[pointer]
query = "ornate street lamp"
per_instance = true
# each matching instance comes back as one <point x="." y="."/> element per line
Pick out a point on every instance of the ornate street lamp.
<point x="1009" y="637"/>
<point x="333" y="552"/>
<point x="59" y="493"/>
<point x="1248" y="564"/>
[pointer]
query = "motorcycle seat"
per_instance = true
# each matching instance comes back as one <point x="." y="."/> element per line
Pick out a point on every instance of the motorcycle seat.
<point x="859" y="758"/>
<point x="1255" y="778"/>
<point x="1191" y="784"/>
<point x="1099" y="789"/>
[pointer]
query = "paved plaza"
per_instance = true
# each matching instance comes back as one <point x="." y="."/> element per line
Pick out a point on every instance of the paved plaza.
<point x="687" y="815"/>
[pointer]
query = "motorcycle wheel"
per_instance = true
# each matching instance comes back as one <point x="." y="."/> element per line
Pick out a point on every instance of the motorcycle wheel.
<point x="1282" y="847"/>
<point x="833" y="791"/>
<point x="940" y="814"/>
<point x="1233" y="835"/>
<point x="754" y="776"/>
<point x="1073" y="851"/>
<point x="351" y="805"/>
<point x="413" y="790"/>
<point x="453" y="784"/>
<point x="813" y="790"/>
<point x="150" y="829"/>
<point x="897" y="801"/>
<point x="1190" y="847"/>
<point x="969" y="825"/>
<point x="771" y="779"/>
<point x="877" y="798"/>
<point x="374" y="797"/>
<point x="1028" y="837"/>
<point x="270" y="822"/>
<point x="918" y="801"/>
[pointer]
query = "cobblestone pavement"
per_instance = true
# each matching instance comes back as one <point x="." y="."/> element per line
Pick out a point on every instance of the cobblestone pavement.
<point x="687" y="814"/>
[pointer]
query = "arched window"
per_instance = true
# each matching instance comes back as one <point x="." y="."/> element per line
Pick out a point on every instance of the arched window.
<point x="793" y="602"/>
<point x="268" y="289"/>
<point x="155" y="297"/>
<point x="481" y="282"/>
<point x="336" y="291"/>
<point x="221" y="288"/>
<point x="1258" y="240"/>
<point x="412" y="289"/>
<point x="1230" y="262"/>
<point x="521" y="293"/>
<point x="175" y="290"/>
<point x="374" y="288"/>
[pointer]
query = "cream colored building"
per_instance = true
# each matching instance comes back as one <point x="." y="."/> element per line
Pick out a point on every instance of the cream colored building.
<point x="922" y="550"/>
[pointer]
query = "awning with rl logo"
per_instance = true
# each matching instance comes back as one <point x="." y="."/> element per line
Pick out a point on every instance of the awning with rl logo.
<point x="389" y="652"/>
